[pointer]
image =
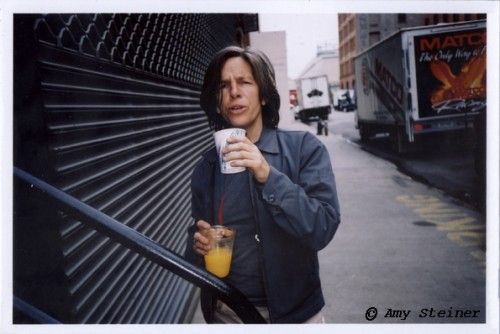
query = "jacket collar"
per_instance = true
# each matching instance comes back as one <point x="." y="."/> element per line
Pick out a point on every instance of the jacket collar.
<point x="268" y="142"/>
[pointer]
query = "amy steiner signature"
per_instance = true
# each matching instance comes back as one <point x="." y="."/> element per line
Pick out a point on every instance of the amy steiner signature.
<point x="428" y="312"/>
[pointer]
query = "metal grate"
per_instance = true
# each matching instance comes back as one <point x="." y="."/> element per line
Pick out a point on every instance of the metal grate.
<point x="124" y="129"/>
<point x="175" y="46"/>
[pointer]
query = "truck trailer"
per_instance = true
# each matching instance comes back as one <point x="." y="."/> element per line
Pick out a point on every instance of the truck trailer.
<point x="314" y="98"/>
<point x="421" y="80"/>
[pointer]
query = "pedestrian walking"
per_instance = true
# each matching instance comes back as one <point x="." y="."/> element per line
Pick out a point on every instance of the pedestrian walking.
<point x="283" y="207"/>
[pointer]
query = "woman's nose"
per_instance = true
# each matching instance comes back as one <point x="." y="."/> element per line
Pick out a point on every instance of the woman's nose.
<point x="234" y="91"/>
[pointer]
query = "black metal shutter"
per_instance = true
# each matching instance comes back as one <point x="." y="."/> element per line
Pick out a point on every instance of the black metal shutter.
<point x="123" y="130"/>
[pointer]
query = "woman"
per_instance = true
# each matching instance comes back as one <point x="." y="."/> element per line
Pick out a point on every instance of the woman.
<point x="284" y="207"/>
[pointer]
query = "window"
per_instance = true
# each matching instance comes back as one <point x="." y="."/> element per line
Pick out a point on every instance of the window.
<point x="436" y="18"/>
<point x="401" y="18"/>
<point x="445" y="18"/>
<point x="374" y="37"/>
<point x="374" y="20"/>
<point x="467" y="17"/>
<point x="456" y="17"/>
<point x="426" y="21"/>
<point x="481" y="16"/>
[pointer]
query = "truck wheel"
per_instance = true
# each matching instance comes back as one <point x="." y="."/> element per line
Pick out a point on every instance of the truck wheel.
<point x="326" y="130"/>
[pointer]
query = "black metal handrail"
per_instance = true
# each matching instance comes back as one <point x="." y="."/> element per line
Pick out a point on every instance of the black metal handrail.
<point x="146" y="247"/>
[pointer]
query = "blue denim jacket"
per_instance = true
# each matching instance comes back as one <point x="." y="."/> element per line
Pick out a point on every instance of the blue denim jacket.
<point x="297" y="214"/>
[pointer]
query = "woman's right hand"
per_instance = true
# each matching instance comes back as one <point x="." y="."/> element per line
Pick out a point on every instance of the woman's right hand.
<point x="201" y="244"/>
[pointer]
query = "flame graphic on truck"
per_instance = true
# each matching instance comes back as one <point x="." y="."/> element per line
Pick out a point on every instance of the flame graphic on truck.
<point x="468" y="84"/>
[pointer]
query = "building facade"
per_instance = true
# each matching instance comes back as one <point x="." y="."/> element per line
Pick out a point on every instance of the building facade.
<point x="273" y="44"/>
<point x="347" y="49"/>
<point x="326" y="63"/>
<point x="449" y="18"/>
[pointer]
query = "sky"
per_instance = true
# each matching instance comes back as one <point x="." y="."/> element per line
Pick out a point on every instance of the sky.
<point x="303" y="33"/>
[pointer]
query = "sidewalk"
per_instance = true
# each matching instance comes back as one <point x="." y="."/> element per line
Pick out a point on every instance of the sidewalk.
<point x="401" y="245"/>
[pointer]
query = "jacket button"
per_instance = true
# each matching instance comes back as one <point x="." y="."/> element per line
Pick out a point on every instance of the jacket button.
<point x="275" y="210"/>
<point x="257" y="238"/>
<point x="271" y="198"/>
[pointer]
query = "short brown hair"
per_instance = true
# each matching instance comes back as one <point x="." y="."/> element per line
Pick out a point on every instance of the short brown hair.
<point x="263" y="73"/>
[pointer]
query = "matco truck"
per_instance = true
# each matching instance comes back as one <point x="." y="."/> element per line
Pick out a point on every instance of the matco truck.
<point x="314" y="98"/>
<point x="421" y="80"/>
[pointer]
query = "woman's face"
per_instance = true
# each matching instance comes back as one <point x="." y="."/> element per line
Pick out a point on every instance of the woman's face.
<point x="239" y="95"/>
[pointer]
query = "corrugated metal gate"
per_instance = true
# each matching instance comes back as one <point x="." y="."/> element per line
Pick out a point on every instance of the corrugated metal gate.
<point x="106" y="109"/>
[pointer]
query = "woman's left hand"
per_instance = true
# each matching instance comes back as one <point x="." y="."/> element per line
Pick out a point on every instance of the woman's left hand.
<point x="241" y="152"/>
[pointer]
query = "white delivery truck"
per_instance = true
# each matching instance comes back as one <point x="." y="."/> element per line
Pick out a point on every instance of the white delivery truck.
<point x="314" y="98"/>
<point x="421" y="80"/>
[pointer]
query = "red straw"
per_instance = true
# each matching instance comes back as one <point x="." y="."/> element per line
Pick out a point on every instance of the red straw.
<point x="220" y="214"/>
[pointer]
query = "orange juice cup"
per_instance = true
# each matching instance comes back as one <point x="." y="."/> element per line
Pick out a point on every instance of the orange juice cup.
<point x="218" y="259"/>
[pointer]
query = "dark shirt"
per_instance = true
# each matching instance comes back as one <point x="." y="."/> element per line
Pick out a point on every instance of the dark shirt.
<point x="238" y="213"/>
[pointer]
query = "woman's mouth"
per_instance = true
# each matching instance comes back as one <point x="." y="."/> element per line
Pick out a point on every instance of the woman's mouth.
<point x="236" y="109"/>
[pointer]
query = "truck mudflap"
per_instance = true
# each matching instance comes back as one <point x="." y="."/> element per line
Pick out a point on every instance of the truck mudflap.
<point x="399" y="140"/>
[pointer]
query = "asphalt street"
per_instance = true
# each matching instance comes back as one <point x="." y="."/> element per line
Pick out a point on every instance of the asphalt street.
<point x="405" y="252"/>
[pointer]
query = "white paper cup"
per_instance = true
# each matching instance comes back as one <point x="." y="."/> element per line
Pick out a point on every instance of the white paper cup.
<point x="220" y="142"/>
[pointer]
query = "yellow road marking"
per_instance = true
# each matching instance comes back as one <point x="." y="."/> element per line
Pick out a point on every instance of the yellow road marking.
<point x="459" y="227"/>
